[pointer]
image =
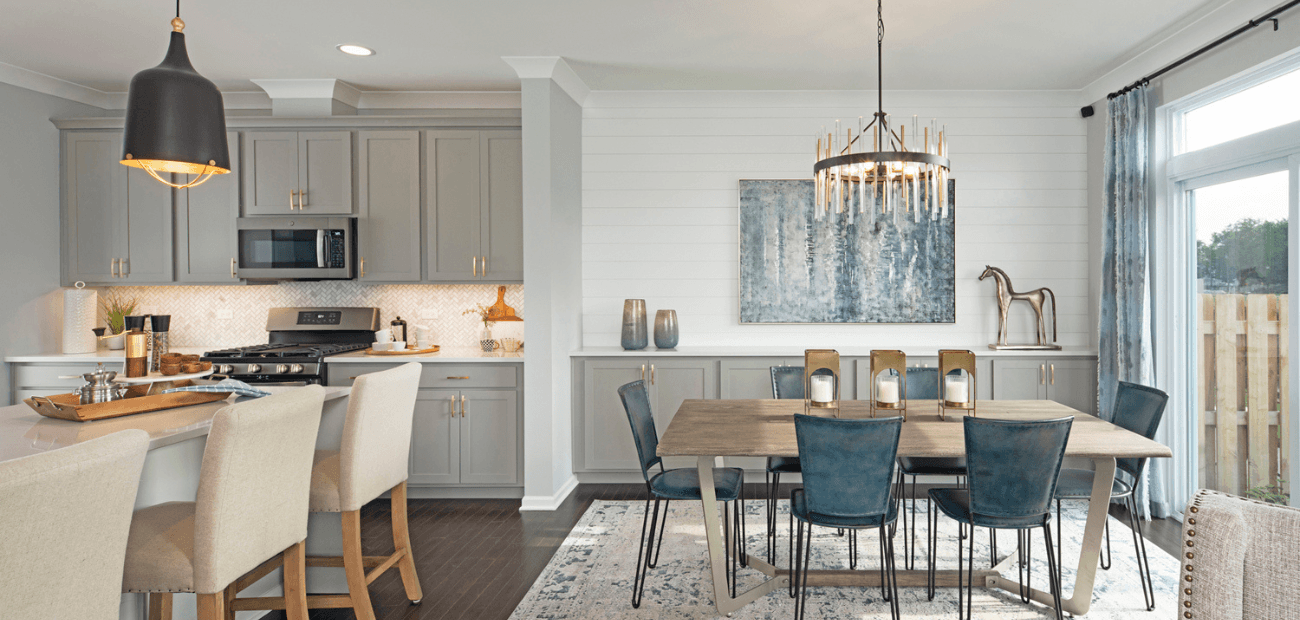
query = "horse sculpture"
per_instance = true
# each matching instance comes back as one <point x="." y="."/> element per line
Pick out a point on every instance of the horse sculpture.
<point x="1036" y="298"/>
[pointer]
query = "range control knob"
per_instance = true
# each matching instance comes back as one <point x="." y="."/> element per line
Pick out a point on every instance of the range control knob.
<point x="281" y="369"/>
<point x="254" y="369"/>
<point x="225" y="369"/>
<point x="295" y="369"/>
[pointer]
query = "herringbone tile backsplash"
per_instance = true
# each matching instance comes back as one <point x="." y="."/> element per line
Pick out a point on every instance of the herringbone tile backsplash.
<point x="194" y="308"/>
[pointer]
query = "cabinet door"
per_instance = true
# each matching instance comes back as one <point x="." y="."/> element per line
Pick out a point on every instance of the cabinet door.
<point x="751" y="377"/>
<point x="270" y="172"/>
<point x="435" y="438"/>
<point x="1019" y="379"/>
<point x="149" y="208"/>
<point x="489" y="437"/>
<point x="673" y="381"/>
<point x="205" y="226"/>
<point x="1073" y="383"/>
<point x="389" y="227"/>
<point x="502" y="216"/>
<point x="325" y="172"/>
<point x="607" y="441"/>
<point x="453" y="207"/>
<point x="95" y="216"/>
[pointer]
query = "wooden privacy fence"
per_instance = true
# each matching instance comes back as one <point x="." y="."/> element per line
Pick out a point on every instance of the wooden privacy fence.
<point x="1243" y="382"/>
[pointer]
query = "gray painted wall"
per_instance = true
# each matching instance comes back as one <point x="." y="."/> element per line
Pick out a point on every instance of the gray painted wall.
<point x="31" y="305"/>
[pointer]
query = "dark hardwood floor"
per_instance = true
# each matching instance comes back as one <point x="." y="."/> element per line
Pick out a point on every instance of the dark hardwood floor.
<point x="477" y="558"/>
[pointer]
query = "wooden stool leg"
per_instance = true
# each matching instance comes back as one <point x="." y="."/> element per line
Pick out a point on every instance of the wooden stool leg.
<point x="295" y="581"/>
<point x="211" y="606"/>
<point x="402" y="542"/>
<point x="354" y="566"/>
<point x="160" y="606"/>
<point x="227" y="596"/>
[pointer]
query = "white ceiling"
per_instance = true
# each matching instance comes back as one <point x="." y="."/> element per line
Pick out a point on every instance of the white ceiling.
<point x="442" y="45"/>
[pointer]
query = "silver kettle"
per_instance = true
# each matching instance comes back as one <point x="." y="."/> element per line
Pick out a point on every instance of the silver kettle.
<point x="99" y="387"/>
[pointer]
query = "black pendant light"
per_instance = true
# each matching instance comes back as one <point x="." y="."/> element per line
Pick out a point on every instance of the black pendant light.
<point x="175" y="120"/>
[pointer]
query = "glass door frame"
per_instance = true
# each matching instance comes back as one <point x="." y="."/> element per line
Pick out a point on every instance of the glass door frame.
<point x="1173" y="274"/>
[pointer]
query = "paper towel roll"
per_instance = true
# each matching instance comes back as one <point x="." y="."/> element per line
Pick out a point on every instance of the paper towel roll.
<point x="80" y="308"/>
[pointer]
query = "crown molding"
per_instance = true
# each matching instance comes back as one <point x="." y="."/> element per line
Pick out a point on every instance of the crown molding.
<point x="49" y="85"/>
<point x="467" y="118"/>
<point x="553" y="68"/>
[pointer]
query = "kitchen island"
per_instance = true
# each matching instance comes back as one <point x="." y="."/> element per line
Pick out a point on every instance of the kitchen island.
<point x="171" y="472"/>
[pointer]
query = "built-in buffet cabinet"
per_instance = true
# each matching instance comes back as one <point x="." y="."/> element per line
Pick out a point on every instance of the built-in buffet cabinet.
<point x="432" y="205"/>
<point x="602" y="440"/>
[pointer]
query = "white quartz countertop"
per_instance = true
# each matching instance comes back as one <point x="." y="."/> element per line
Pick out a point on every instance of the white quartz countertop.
<point x="23" y="432"/>
<point x="102" y="355"/>
<point x="983" y="351"/>
<point x="447" y="354"/>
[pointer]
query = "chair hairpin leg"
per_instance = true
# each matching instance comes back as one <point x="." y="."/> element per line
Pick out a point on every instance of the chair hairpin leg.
<point x="993" y="548"/>
<point x="1024" y="572"/>
<point x="1053" y="570"/>
<point x="1140" y="549"/>
<point x="1105" y="559"/>
<point x="853" y="550"/>
<point x="740" y="522"/>
<point x="663" y="525"/>
<point x="794" y="561"/>
<point x="932" y="526"/>
<point x="1059" y="554"/>
<point x="884" y="584"/>
<point x="643" y="567"/>
<point x="773" y="484"/>
<point x="961" y="567"/>
<point x="909" y="561"/>
<point x="895" y="605"/>
<point x="970" y="572"/>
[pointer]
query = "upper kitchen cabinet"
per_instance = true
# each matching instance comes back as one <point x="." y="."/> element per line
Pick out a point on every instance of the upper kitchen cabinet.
<point x="117" y="220"/>
<point x="388" y="174"/>
<point x="307" y="172"/>
<point x="474" y="214"/>
<point x="205" y="226"/>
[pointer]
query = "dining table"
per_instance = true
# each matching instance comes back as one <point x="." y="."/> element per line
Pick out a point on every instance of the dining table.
<point x="709" y="429"/>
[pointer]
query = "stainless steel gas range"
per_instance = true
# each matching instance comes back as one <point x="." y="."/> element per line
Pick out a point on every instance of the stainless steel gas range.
<point x="299" y="340"/>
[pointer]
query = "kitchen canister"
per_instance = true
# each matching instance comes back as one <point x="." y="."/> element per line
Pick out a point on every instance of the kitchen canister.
<point x="80" y="308"/>
<point x="666" y="335"/>
<point x="634" y="329"/>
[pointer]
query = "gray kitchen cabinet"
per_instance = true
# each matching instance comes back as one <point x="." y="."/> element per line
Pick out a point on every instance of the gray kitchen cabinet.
<point x="474" y="206"/>
<point x="388" y="173"/>
<point x="205" y="226"/>
<point x="489" y="428"/>
<point x="117" y="219"/>
<point x="607" y="435"/>
<point x="304" y="172"/>
<point x="94" y="206"/>
<point x="1070" y="382"/>
<point x="502" y="218"/>
<point x="435" y="438"/>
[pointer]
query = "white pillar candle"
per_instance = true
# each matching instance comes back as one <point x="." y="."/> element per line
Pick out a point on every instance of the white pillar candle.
<point x="823" y="389"/>
<point x="887" y="389"/>
<point x="955" y="390"/>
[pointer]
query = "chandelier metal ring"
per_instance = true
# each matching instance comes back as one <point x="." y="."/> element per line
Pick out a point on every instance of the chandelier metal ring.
<point x="881" y="157"/>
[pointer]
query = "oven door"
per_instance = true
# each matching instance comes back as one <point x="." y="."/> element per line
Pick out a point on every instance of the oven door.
<point x="296" y="248"/>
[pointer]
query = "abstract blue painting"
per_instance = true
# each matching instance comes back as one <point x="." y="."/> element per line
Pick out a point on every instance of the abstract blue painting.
<point x="879" y="268"/>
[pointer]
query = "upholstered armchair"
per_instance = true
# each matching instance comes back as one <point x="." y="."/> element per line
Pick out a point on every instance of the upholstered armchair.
<point x="1240" y="559"/>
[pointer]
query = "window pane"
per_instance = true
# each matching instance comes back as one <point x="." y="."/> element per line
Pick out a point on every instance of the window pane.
<point x="1253" y="110"/>
<point x="1241" y="256"/>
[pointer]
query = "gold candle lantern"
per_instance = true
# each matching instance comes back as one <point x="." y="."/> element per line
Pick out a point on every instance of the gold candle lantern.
<point x="958" y="390"/>
<point x="821" y="381"/>
<point x="888" y="381"/>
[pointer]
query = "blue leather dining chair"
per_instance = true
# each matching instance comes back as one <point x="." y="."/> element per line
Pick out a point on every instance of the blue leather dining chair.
<point x="787" y="383"/>
<point x="1138" y="408"/>
<point x="1012" y="468"/>
<point x="847" y="484"/>
<point x="671" y="484"/>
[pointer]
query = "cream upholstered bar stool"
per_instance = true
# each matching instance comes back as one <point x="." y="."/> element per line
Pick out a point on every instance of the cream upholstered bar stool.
<point x="372" y="459"/>
<point x="251" y="511"/>
<point x="92" y="483"/>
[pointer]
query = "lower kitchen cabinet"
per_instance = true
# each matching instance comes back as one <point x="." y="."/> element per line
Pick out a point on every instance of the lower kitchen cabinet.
<point x="1071" y="382"/>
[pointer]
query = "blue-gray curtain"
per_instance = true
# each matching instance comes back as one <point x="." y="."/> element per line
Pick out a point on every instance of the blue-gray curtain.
<point x="1125" y="323"/>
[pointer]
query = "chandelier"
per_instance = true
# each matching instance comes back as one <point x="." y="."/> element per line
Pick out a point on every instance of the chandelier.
<point x="901" y="173"/>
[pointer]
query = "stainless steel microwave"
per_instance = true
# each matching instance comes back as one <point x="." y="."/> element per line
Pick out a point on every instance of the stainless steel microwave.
<point x="296" y="248"/>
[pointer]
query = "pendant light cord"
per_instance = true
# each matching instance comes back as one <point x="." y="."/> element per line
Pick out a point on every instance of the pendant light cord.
<point x="178" y="8"/>
<point x="880" y="55"/>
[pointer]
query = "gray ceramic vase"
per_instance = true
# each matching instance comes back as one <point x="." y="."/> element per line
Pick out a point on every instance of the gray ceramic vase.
<point x="634" y="327"/>
<point x="666" y="335"/>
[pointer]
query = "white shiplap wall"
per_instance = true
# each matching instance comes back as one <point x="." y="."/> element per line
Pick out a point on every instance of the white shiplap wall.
<point x="660" y="172"/>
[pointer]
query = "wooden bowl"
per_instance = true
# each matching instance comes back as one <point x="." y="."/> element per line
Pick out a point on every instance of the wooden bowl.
<point x="192" y="367"/>
<point x="190" y="359"/>
<point x="169" y="369"/>
<point x="171" y="358"/>
<point x="205" y="366"/>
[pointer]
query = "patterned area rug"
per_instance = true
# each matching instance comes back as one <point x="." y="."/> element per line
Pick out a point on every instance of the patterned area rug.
<point x="590" y="576"/>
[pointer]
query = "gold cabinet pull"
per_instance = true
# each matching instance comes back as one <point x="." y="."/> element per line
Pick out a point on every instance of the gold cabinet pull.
<point x="1042" y="374"/>
<point x="457" y="378"/>
<point x="453" y="406"/>
<point x="485" y="266"/>
<point x="475" y="266"/>
<point x="652" y="374"/>
<point x="462" y="405"/>
<point x="643" y="372"/>
<point x="122" y="270"/>
<point x="233" y="275"/>
<point x="1053" y="370"/>
<point x="293" y="193"/>
<point x="112" y="269"/>
<point x="363" y="267"/>
<point x="302" y="199"/>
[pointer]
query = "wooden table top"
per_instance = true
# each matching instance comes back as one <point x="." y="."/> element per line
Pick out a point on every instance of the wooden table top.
<point x="766" y="428"/>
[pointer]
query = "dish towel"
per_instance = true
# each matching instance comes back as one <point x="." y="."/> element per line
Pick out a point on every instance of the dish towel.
<point x="226" y="385"/>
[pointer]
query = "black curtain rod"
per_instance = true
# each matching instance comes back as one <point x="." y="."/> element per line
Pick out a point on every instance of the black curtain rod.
<point x="1250" y="25"/>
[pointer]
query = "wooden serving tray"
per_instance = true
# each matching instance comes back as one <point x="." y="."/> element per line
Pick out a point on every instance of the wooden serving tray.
<point x="434" y="349"/>
<point x="67" y="407"/>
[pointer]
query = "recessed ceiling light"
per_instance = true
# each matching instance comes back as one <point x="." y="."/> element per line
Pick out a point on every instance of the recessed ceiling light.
<point x="356" y="50"/>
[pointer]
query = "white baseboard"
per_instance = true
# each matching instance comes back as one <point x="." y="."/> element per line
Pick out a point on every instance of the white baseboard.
<point x="549" y="502"/>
